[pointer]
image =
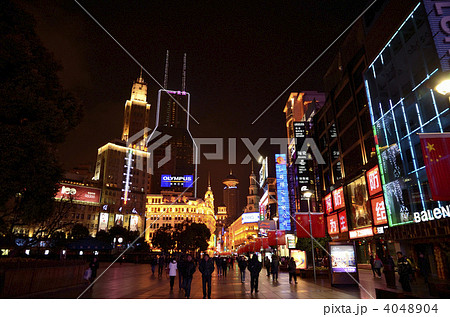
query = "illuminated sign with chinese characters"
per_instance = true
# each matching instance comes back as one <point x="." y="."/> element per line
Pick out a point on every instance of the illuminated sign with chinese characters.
<point x="282" y="192"/>
<point x="338" y="198"/>
<point x="343" y="221"/>
<point x="328" y="203"/>
<point x="378" y="211"/>
<point x="361" y="233"/>
<point x="332" y="224"/>
<point x="373" y="181"/>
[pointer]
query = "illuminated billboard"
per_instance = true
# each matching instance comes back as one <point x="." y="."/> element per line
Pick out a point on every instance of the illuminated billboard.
<point x="343" y="221"/>
<point x="177" y="181"/>
<point x="378" y="211"/>
<point x="79" y="193"/>
<point x="343" y="258"/>
<point x="299" y="258"/>
<point x="282" y="192"/>
<point x="374" y="181"/>
<point x="103" y="221"/>
<point x="328" y="203"/>
<point x="118" y="220"/>
<point x="338" y="198"/>
<point x="263" y="172"/>
<point x="250" y="217"/>
<point x="134" y="220"/>
<point x="332" y="224"/>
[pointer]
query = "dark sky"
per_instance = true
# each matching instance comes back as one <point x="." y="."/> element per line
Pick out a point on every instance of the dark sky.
<point x="240" y="56"/>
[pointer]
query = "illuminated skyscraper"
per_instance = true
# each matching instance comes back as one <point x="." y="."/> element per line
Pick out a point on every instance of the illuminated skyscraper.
<point x="231" y="197"/>
<point x="174" y="169"/>
<point x="136" y="113"/>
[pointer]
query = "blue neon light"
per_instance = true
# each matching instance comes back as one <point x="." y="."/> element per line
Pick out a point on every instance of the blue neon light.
<point x="282" y="192"/>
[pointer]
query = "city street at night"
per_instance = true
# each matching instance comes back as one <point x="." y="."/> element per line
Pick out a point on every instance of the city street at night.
<point x="135" y="281"/>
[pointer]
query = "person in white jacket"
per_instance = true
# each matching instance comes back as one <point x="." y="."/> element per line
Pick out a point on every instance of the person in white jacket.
<point x="172" y="272"/>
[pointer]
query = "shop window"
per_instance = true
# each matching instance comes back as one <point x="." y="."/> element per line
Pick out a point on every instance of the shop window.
<point x="360" y="215"/>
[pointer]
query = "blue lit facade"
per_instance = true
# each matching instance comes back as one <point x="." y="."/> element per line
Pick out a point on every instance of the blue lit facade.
<point x="402" y="104"/>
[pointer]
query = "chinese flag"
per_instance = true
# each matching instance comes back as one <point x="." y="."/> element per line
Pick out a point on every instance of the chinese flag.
<point x="281" y="238"/>
<point x="271" y="237"/>
<point x="258" y="244"/>
<point x="436" y="155"/>
<point x="302" y="224"/>
<point x="265" y="243"/>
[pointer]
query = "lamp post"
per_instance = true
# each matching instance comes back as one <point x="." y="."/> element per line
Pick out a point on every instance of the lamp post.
<point x="276" y="237"/>
<point x="308" y="195"/>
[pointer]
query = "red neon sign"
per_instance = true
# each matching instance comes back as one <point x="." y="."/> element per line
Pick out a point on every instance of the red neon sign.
<point x="343" y="221"/>
<point x="332" y="224"/>
<point x="379" y="211"/>
<point x="338" y="198"/>
<point x="328" y="203"/>
<point x="373" y="181"/>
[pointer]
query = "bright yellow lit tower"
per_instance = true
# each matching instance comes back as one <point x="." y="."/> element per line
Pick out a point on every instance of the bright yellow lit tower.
<point x="209" y="197"/>
<point x="137" y="112"/>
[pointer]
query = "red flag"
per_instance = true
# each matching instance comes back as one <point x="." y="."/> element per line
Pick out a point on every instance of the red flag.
<point x="436" y="155"/>
<point x="271" y="237"/>
<point x="258" y="244"/>
<point x="302" y="224"/>
<point x="281" y="238"/>
<point x="265" y="243"/>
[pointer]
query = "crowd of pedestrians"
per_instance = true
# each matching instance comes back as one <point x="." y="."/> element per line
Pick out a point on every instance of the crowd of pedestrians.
<point x="185" y="266"/>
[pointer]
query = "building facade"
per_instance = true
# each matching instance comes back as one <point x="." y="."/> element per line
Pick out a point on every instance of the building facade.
<point x="231" y="197"/>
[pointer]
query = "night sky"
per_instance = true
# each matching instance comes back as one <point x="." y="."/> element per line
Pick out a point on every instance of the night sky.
<point x="240" y="56"/>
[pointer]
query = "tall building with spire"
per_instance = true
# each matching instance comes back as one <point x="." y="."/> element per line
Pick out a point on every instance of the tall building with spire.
<point x="231" y="197"/>
<point x="209" y="196"/>
<point x="252" y="197"/>
<point x="136" y="113"/>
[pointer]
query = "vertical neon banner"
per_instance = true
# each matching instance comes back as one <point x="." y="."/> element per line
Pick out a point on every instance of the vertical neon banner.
<point x="282" y="192"/>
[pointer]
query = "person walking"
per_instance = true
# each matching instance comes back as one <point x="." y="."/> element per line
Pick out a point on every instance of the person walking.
<point x="404" y="270"/>
<point x="172" y="272"/>
<point x="274" y="268"/>
<point x="377" y="265"/>
<point x="267" y="265"/>
<point x="206" y="267"/>
<point x="389" y="270"/>
<point x="254" y="266"/>
<point x="292" y="269"/>
<point x="218" y="262"/>
<point x="424" y="267"/>
<point x="242" y="263"/>
<point x="188" y="274"/>
<point x="371" y="261"/>
<point x="180" y="267"/>
<point x="94" y="265"/>
<point x="224" y="266"/>
<point x="161" y="264"/>
<point x="153" y="263"/>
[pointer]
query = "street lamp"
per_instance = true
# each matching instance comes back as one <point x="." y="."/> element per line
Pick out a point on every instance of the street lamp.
<point x="308" y="195"/>
<point x="443" y="87"/>
<point x="276" y="236"/>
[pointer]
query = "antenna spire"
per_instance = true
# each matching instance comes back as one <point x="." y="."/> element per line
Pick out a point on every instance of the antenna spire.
<point x="166" y="70"/>
<point x="252" y="168"/>
<point x="183" y="84"/>
<point x="209" y="180"/>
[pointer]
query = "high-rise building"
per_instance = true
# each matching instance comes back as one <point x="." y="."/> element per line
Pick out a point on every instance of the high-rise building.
<point x="231" y="197"/>
<point x="174" y="167"/>
<point x="136" y="117"/>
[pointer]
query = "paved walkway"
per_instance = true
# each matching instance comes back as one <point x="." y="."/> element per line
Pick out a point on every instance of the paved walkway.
<point x="135" y="281"/>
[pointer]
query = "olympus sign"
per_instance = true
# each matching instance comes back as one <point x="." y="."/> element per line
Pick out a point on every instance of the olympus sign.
<point x="428" y="215"/>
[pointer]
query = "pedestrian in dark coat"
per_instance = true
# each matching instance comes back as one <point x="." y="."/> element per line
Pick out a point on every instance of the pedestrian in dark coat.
<point x="161" y="264"/>
<point x="94" y="267"/>
<point x="274" y="268"/>
<point x="153" y="263"/>
<point x="188" y="270"/>
<point x="267" y="264"/>
<point x="371" y="261"/>
<point x="206" y="267"/>
<point x="180" y="267"/>
<point x="254" y="266"/>
<point x="424" y="267"/>
<point x="242" y="263"/>
<point x="404" y="270"/>
<point x="218" y="261"/>
<point x="224" y="266"/>
<point x="292" y="269"/>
